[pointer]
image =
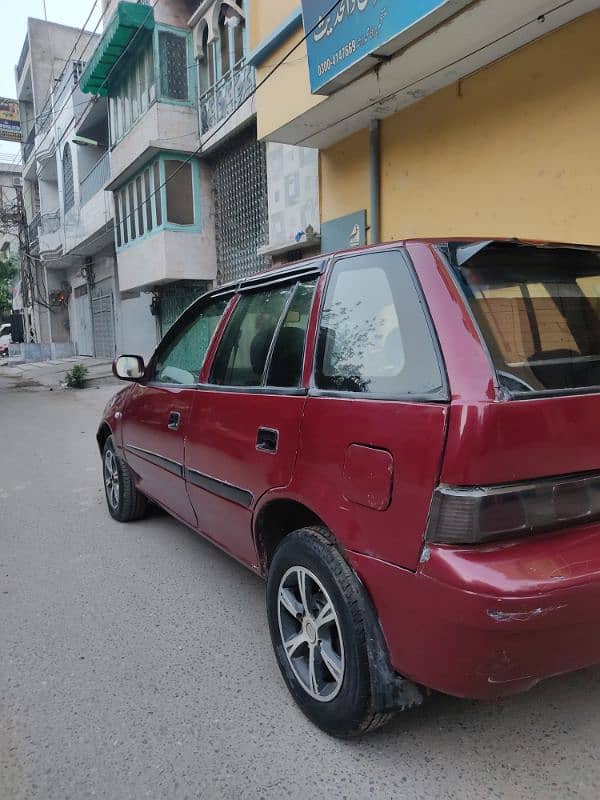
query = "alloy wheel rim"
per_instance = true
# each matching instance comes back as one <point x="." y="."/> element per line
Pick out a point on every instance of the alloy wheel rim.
<point x="310" y="634"/>
<point x="111" y="479"/>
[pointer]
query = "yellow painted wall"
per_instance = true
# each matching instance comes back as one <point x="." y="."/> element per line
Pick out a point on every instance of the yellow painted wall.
<point x="344" y="177"/>
<point x="286" y="95"/>
<point x="266" y="15"/>
<point x="513" y="151"/>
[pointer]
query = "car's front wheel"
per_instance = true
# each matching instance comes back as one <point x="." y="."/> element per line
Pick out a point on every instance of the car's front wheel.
<point x="125" y="502"/>
<point x="319" y="633"/>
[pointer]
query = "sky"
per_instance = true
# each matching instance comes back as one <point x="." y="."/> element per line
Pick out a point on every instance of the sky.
<point x="12" y="36"/>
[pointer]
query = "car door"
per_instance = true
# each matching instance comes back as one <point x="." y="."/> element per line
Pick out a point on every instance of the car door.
<point x="243" y="436"/>
<point x="157" y="415"/>
<point x="373" y="428"/>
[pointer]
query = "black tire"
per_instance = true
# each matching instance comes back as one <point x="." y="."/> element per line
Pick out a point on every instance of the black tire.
<point x="350" y="711"/>
<point x="127" y="504"/>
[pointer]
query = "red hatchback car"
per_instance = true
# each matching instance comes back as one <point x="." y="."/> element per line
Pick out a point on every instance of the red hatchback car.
<point x="405" y="442"/>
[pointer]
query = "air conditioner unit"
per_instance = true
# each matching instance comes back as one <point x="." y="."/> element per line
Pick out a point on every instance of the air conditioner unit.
<point x="17" y="181"/>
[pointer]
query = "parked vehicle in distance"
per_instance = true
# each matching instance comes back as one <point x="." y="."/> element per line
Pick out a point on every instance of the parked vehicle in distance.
<point x="5" y="338"/>
<point x="404" y="441"/>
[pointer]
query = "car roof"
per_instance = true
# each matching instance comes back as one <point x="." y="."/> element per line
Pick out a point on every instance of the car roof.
<point x="316" y="264"/>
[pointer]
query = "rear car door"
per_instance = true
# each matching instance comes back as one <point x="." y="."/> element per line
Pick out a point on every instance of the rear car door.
<point x="374" y="425"/>
<point x="157" y="415"/>
<point x="243" y="437"/>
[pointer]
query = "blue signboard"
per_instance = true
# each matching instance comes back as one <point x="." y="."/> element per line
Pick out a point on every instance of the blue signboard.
<point x="356" y="29"/>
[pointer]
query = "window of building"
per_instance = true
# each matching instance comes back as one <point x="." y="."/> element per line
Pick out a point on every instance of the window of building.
<point x="374" y="335"/>
<point x="163" y="195"/>
<point x="181" y="361"/>
<point x="242" y="354"/>
<point x="132" y="93"/>
<point x="180" y="192"/>
<point x="173" y="64"/>
<point x="68" y="185"/>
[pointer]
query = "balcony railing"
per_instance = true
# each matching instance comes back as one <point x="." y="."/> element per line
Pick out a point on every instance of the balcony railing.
<point x="28" y="145"/>
<point x="45" y="118"/>
<point x="96" y="178"/>
<point x="226" y="95"/>
<point x="33" y="229"/>
<point x="23" y="57"/>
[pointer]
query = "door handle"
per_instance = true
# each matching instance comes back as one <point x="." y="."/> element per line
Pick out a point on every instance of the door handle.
<point x="174" y="420"/>
<point x="266" y="440"/>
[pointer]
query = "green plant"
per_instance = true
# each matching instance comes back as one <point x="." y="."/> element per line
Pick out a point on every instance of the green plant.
<point x="8" y="271"/>
<point x="76" y="377"/>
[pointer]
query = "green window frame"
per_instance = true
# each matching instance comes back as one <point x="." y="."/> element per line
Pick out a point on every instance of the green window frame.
<point x="161" y="69"/>
<point x="135" y="222"/>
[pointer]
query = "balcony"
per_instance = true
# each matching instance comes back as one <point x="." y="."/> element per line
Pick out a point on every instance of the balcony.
<point x="23" y="58"/>
<point x="50" y="234"/>
<point x="33" y="229"/>
<point x="225" y="96"/>
<point x="28" y="145"/>
<point x="96" y="179"/>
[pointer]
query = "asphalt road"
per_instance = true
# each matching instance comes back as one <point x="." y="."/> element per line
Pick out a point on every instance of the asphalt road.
<point x="135" y="662"/>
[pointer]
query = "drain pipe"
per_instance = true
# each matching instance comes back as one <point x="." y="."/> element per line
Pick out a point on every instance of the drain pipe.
<point x="375" y="180"/>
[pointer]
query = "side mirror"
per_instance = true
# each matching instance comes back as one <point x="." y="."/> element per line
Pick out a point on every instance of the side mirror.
<point x="129" y="368"/>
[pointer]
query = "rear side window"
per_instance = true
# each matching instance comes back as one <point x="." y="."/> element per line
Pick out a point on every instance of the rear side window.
<point x="374" y="335"/>
<point x="285" y="369"/>
<point x="243" y="351"/>
<point x="538" y="309"/>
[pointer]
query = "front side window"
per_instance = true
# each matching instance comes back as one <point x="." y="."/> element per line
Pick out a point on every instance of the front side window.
<point x="181" y="361"/>
<point x="244" y="348"/>
<point x="172" y="50"/>
<point x="538" y="309"/>
<point x="374" y="336"/>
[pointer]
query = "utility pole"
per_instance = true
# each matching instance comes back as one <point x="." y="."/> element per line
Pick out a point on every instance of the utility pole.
<point x="27" y="280"/>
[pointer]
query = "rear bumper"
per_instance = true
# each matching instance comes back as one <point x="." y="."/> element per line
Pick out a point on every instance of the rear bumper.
<point x="491" y="622"/>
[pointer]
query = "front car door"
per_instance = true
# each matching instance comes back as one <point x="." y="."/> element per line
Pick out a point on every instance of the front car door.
<point x="157" y="415"/>
<point x="243" y="437"/>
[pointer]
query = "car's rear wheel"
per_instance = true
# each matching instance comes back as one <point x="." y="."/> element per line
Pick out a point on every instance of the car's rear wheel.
<point x="319" y="633"/>
<point x="125" y="502"/>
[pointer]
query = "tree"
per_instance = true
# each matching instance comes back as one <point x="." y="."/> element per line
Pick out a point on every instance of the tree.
<point x="8" y="271"/>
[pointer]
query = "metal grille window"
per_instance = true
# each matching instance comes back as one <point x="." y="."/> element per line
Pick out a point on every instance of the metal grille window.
<point x="241" y="209"/>
<point x="68" y="186"/>
<point x="172" y="49"/>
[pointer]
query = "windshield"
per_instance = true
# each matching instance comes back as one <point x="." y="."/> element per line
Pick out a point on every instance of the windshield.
<point x="539" y="311"/>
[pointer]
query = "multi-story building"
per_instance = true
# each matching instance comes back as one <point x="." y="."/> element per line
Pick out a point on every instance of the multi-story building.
<point x="146" y="181"/>
<point x="191" y="184"/>
<point x="10" y="184"/>
<point x="10" y="187"/>
<point x="438" y="118"/>
<point x="46" y="75"/>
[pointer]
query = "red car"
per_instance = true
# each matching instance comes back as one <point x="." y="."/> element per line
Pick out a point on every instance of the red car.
<point x="405" y="442"/>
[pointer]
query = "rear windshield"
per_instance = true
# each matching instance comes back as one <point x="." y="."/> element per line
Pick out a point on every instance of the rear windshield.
<point x="538" y="309"/>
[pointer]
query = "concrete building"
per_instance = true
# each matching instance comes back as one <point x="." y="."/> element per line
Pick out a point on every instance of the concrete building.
<point x="191" y="184"/>
<point x="10" y="182"/>
<point x="10" y="186"/>
<point x="46" y="77"/>
<point x="437" y="119"/>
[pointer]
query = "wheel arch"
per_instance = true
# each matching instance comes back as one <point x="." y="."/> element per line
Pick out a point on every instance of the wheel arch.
<point x="275" y="518"/>
<point x="102" y="435"/>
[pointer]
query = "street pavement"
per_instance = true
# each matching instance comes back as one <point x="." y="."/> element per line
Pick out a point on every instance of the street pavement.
<point x="135" y="662"/>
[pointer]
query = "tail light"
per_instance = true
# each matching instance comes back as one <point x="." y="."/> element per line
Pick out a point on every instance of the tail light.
<point x="475" y="515"/>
